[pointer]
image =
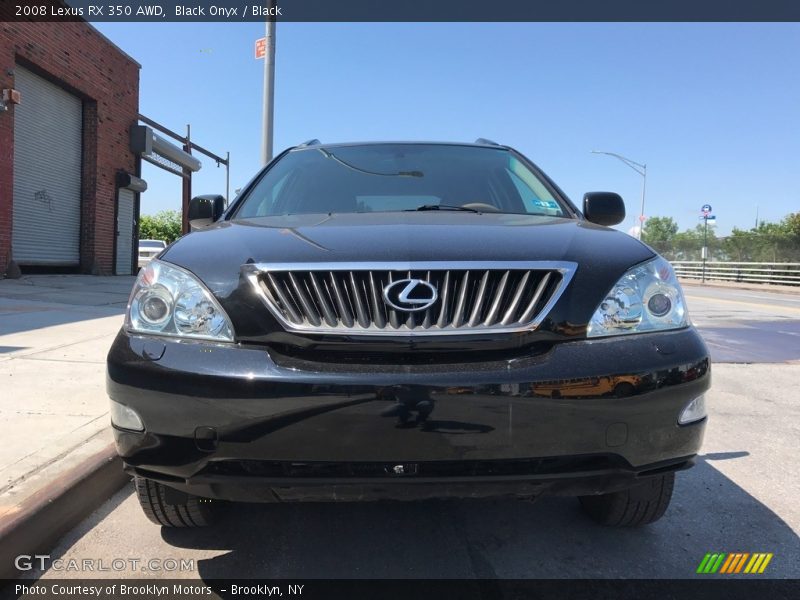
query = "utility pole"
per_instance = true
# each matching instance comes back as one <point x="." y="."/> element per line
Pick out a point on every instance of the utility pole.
<point x="269" y="88"/>
<point x="227" y="178"/>
<point x="187" y="184"/>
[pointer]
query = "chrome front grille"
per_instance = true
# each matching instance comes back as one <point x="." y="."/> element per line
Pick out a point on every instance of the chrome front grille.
<point x="473" y="298"/>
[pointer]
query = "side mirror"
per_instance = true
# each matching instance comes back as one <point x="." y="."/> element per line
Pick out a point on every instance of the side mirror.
<point x="603" y="208"/>
<point x="205" y="210"/>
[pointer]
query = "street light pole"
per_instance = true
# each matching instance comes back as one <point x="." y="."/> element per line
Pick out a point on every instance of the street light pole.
<point x="269" y="89"/>
<point x="641" y="169"/>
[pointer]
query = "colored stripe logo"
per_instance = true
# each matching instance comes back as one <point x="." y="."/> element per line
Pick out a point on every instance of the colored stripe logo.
<point x="734" y="562"/>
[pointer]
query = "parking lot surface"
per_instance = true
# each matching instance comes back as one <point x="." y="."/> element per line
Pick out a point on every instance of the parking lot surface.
<point x="741" y="497"/>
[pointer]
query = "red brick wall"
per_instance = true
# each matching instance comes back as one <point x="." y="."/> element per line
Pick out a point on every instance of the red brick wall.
<point x="79" y="58"/>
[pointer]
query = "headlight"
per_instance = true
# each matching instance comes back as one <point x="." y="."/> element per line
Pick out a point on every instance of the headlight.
<point x="647" y="298"/>
<point x="166" y="300"/>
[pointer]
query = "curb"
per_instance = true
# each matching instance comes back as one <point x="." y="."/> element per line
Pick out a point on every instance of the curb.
<point x="47" y="515"/>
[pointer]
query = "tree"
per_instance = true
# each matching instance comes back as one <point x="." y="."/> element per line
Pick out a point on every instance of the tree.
<point x="164" y="225"/>
<point x="791" y="223"/>
<point x="769" y="242"/>
<point x="659" y="232"/>
<point x="791" y="229"/>
<point x="687" y="244"/>
<point x="740" y="245"/>
<point x="662" y="234"/>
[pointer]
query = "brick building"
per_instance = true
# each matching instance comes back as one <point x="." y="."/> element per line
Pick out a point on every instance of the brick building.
<point x="64" y="150"/>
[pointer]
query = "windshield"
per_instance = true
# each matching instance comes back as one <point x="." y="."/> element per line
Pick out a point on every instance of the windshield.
<point x="399" y="177"/>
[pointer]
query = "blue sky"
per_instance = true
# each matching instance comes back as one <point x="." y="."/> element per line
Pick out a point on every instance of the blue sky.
<point x="712" y="109"/>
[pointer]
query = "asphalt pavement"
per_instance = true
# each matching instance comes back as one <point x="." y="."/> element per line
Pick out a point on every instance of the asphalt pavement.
<point x="741" y="497"/>
<point x="746" y="326"/>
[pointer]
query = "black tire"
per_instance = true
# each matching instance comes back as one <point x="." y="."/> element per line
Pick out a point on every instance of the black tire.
<point x="192" y="512"/>
<point x="642" y="504"/>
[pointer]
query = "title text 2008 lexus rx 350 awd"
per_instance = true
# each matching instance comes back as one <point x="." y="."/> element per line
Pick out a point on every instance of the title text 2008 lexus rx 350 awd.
<point x="406" y="321"/>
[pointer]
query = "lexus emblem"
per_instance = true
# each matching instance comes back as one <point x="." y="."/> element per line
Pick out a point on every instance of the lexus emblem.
<point x="410" y="295"/>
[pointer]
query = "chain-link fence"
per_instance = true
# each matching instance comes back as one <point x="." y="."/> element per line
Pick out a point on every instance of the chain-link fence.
<point x="767" y="243"/>
<point x="729" y="249"/>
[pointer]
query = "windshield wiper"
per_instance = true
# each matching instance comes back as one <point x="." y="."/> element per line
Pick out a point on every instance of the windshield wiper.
<point x="443" y="207"/>
<point x="344" y="163"/>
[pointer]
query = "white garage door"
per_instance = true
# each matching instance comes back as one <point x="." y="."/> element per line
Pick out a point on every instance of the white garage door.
<point x="125" y="200"/>
<point x="47" y="173"/>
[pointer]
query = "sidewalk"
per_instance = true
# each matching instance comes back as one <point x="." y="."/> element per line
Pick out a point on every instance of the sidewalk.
<point x="55" y="331"/>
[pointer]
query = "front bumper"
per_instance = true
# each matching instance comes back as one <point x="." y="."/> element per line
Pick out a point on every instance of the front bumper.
<point x="227" y="421"/>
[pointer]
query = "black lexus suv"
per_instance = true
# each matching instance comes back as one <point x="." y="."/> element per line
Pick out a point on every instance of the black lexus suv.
<point x="406" y="321"/>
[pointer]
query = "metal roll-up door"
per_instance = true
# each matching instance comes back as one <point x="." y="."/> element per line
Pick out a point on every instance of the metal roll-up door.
<point x="47" y="173"/>
<point x="125" y="212"/>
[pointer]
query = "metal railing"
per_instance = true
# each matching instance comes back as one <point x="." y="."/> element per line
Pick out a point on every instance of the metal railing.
<point x="744" y="272"/>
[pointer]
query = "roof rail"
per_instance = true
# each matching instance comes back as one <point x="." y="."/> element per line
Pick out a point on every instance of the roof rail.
<point x="486" y="142"/>
<point x="314" y="142"/>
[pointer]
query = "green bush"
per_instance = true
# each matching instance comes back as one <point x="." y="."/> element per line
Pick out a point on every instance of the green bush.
<point x="164" y="225"/>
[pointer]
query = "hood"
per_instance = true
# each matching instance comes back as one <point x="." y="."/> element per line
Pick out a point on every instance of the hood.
<point x="216" y="254"/>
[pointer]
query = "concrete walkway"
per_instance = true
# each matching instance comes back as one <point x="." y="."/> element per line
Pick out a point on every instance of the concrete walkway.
<point x="55" y="331"/>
